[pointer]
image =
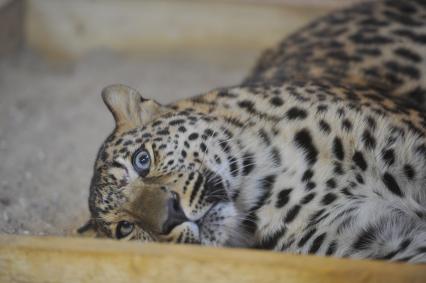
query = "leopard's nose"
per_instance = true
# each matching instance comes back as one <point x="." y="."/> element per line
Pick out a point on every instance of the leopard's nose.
<point x="175" y="214"/>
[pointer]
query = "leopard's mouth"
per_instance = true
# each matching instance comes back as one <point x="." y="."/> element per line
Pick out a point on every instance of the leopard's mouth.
<point x="206" y="226"/>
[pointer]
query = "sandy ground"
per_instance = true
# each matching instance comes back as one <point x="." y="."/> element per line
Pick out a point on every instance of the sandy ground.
<point x="52" y="121"/>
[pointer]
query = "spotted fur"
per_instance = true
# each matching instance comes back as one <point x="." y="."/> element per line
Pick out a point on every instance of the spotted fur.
<point x="312" y="154"/>
<point x="379" y="45"/>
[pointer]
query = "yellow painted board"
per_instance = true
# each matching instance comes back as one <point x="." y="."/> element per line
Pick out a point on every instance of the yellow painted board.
<point x="69" y="29"/>
<point x="50" y="259"/>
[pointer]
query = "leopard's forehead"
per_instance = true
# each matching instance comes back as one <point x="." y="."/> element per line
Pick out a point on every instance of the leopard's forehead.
<point x="163" y="133"/>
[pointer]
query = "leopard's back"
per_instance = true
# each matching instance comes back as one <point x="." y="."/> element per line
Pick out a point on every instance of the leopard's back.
<point x="377" y="45"/>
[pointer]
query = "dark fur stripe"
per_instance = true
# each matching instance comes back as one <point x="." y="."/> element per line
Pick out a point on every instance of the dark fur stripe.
<point x="365" y="239"/>
<point x="233" y="166"/>
<point x="270" y="241"/>
<point x="225" y="146"/>
<point x="303" y="140"/>
<point x="195" y="188"/>
<point x="359" y="160"/>
<point x="405" y="70"/>
<point x="338" y="148"/>
<point x="276" y="101"/>
<point x="308" y="198"/>
<point x="268" y="182"/>
<point x="391" y="184"/>
<point x="283" y="198"/>
<point x="409" y="171"/>
<point x="296" y="113"/>
<point x="408" y="54"/>
<point x="331" y="248"/>
<point x="276" y="156"/>
<point x="306" y="237"/>
<point x="316" y="217"/>
<point x="250" y="223"/>
<point x="307" y="175"/>
<point x="316" y="244"/>
<point x="388" y="156"/>
<point x="328" y="198"/>
<point x="292" y="213"/>
<point x="264" y="136"/>
<point x="248" y="163"/>
<point x="369" y="140"/>
<point x="324" y="126"/>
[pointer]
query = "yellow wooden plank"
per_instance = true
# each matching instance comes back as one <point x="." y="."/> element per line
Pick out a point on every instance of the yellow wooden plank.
<point x="69" y="29"/>
<point x="50" y="259"/>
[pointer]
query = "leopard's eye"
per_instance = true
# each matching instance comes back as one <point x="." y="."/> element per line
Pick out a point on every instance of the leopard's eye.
<point x="141" y="162"/>
<point x="123" y="229"/>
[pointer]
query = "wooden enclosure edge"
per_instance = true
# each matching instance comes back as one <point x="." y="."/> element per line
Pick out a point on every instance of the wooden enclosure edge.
<point x="55" y="259"/>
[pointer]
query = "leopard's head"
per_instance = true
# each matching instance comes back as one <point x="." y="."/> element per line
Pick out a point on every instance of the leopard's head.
<point x="160" y="175"/>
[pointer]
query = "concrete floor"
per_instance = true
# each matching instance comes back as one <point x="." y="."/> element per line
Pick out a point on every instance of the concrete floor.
<point x="52" y="121"/>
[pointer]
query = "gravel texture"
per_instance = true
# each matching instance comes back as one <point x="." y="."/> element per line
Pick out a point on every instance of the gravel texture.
<point x="52" y="121"/>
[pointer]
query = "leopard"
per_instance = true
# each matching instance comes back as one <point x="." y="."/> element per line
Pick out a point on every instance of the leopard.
<point x="321" y="150"/>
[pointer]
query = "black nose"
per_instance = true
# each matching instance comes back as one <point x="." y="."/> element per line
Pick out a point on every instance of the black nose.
<point x="175" y="214"/>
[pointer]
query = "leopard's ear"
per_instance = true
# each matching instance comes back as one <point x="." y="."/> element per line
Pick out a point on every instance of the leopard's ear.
<point x="87" y="230"/>
<point x="128" y="107"/>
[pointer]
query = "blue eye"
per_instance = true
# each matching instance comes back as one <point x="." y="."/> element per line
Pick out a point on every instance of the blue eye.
<point x="141" y="162"/>
<point x="123" y="229"/>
